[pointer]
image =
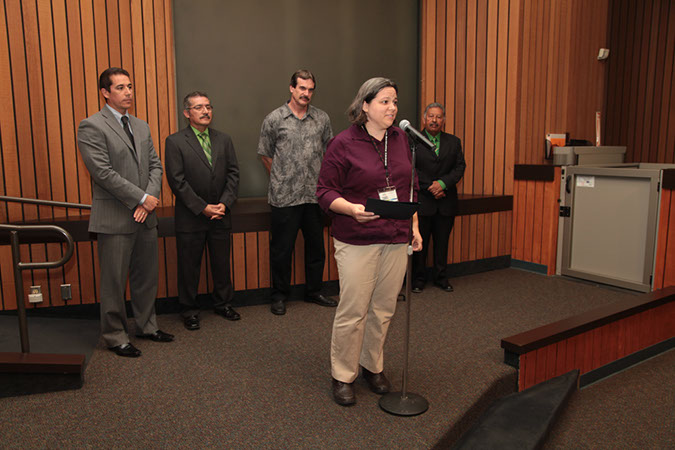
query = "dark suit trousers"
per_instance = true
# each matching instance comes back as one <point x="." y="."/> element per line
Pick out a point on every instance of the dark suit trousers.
<point x="132" y="255"/>
<point x="439" y="227"/>
<point x="190" y="249"/>
<point x="285" y="224"/>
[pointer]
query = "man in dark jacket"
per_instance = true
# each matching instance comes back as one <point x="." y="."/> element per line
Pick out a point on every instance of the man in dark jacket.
<point x="203" y="174"/>
<point x="439" y="170"/>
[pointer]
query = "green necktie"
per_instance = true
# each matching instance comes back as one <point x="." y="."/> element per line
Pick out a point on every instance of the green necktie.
<point x="206" y="145"/>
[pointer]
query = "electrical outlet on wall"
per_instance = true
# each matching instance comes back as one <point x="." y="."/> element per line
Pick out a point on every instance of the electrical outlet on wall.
<point x="35" y="294"/>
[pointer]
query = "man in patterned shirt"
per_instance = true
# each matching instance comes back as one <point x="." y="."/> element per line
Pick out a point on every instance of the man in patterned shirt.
<point x="292" y="143"/>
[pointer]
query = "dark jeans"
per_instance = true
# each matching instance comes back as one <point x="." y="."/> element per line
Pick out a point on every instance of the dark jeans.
<point x="190" y="247"/>
<point x="439" y="227"/>
<point x="285" y="223"/>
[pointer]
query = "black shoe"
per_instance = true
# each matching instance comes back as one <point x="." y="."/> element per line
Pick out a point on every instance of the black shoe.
<point x="343" y="393"/>
<point x="418" y="286"/>
<point x="191" y="323"/>
<point x="443" y="284"/>
<point x="228" y="312"/>
<point x="322" y="300"/>
<point x="401" y="297"/>
<point x="126" y="350"/>
<point x="377" y="381"/>
<point x="157" y="336"/>
<point x="278" y="307"/>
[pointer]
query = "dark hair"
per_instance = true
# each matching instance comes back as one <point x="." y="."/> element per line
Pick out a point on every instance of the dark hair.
<point x="105" y="80"/>
<point x="367" y="92"/>
<point x="186" y="100"/>
<point x="304" y="74"/>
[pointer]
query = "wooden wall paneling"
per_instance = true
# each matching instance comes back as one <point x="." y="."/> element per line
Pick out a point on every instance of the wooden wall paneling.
<point x="460" y="90"/>
<point x="38" y="253"/>
<point x="500" y="98"/>
<point x="251" y="243"/>
<point x="470" y="99"/>
<point x="489" y="149"/>
<point x="479" y="220"/>
<point x="528" y="372"/>
<point x="480" y="109"/>
<point x="163" y="98"/>
<point x="163" y="275"/>
<point x="427" y="53"/>
<point x="299" y="260"/>
<point x="457" y="240"/>
<point x="138" y="51"/>
<point x="170" y="65"/>
<point x="65" y="107"/>
<point x="10" y="185"/>
<point x="651" y="41"/>
<point x="86" y="263"/>
<point x="550" y="223"/>
<point x="79" y="95"/>
<point x="538" y="221"/>
<point x="669" y="263"/>
<point x="529" y="68"/>
<point x="540" y="365"/>
<point x="552" y="55"/>
<point x="26" y="275"/>
<point x="56" y="276"/>
<point x="551" y="361"/>
<point x="612" y="345"/>
<point x="465" y="239"/>
<point x="91" y="72"/>
<point x="38" y="175"/>
<point x="529" y="220"/>
<point x="52" y="146"/>
<point x="100" y="19"/>
<point x="667" y="90"/>
<point x="662" y="238"/>
<point x="7" y="278"/>
<point x="24" y="144"/>
<point x="171" y="266"/>
<point x="451" y="66"/>
<point x="487" y="236"/>
<point x="150" y="87"/>
<point x="239" y="265"/>
<point x="264" y="259"/>
<point x="112" y="16"/>
<point x="441" y="61"/>
<point x="126" y="37"/>
<point x="514" y="89"/>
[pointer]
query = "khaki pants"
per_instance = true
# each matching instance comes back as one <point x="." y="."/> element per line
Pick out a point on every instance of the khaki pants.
<point x="370" y="280"/>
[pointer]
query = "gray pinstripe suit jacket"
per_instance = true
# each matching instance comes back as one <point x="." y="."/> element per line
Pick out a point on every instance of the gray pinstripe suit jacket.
<point x="120" y="176"/>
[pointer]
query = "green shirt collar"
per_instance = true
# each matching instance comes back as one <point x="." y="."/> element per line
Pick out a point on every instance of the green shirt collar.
<point x="197" y="132"/>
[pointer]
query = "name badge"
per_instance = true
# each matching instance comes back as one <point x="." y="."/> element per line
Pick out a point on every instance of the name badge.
<point x="388" y="194"/>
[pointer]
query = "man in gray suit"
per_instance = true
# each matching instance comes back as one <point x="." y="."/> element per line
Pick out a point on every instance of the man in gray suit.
<point x="126" y="176"/>
<point x="203" y="173"/>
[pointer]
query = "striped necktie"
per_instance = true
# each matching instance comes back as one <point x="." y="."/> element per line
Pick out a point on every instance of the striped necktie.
<point x="206" y="145"/>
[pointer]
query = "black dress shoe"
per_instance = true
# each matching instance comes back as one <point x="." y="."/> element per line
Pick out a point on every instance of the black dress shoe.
<point x="278" y="307"/>
<point x="191" y="323"/>
<point x="157" y="336"/>
<point x="377" y="381"/>
<point x="418" y="286"/>
<point x="343" y="393"/>
<point x="443" y="284"/>
<point x="322" y="300"/>
<point x="228" y="312"/>
<point x="126" y="350"/>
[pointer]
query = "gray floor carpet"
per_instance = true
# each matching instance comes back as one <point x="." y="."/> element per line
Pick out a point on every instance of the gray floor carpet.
<point x="264" y="382"/>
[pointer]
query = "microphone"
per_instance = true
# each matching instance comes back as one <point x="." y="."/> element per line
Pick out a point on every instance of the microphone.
<point x="416" y="135"/>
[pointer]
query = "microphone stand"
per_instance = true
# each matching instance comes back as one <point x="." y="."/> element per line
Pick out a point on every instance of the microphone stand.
<point x="405" y="403"/>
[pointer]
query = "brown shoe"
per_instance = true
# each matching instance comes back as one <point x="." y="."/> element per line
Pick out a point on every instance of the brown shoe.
<point x="343" y="393"/>
<point x="377" y="381"/>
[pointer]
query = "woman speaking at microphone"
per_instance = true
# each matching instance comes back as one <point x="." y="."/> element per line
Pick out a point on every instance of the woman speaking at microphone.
<point x="370" y="159"/>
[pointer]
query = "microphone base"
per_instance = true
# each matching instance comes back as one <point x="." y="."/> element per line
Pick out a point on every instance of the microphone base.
<point x="398" y="404"/>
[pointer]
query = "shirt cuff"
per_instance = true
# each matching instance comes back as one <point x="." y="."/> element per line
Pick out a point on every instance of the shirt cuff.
<point x="442" y="184"/>
<point x="146" y="196"/>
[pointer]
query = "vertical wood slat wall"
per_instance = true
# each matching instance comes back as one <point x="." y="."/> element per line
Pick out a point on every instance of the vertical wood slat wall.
<point x="664" y="267"/>
<point x="641" y="80"/>
<point x="535" y="221"/>
<point x="51" y="53"/>
<point x="597" y="347"/>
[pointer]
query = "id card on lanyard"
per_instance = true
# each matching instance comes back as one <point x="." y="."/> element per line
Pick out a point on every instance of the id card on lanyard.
<point x="387" y="193"/>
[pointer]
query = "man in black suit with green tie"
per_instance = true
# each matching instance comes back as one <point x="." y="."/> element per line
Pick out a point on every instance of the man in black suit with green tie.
<point x="439" y="170"/>
<point x="203" y="174"/>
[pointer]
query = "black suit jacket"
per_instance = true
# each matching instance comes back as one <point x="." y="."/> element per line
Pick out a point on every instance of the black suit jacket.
<point x="448" y="167"/>
<point x="196" y="183"/>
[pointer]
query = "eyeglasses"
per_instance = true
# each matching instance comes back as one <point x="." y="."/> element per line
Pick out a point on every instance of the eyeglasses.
<point x="201" y="108"/>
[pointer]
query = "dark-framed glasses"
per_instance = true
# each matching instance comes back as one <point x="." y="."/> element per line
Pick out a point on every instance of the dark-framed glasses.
<point x="200" y="108"/>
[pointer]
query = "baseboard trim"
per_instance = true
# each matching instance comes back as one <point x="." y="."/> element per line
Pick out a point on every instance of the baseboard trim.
<point x="529" y="266"/>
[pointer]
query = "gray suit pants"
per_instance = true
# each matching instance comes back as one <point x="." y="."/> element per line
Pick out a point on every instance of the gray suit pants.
<point x="133" y="255"/>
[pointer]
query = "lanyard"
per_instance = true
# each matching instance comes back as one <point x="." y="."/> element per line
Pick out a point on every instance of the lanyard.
<point x="383" y="159"/>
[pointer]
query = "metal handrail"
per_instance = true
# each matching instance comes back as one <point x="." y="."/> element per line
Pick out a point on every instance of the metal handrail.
<point x="14" y="231"/>
<point x="35" y="201"/>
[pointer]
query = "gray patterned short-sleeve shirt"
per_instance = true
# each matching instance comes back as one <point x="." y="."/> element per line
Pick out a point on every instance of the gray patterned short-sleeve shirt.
<point x="296" y="147"/>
